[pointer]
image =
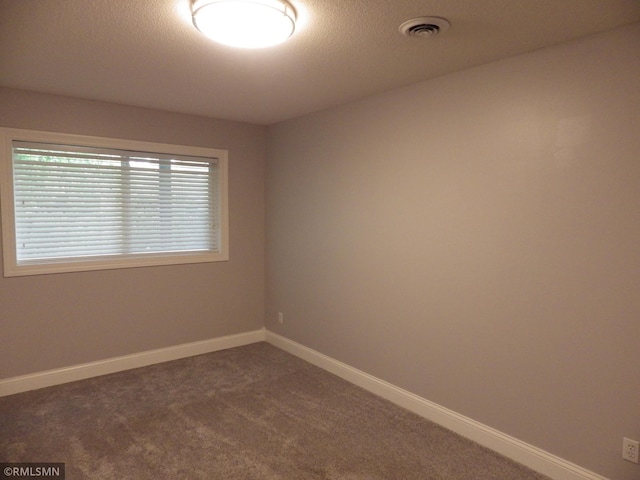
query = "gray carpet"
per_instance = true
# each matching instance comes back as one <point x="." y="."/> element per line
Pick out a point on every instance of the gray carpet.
<point x="252" y="412"/>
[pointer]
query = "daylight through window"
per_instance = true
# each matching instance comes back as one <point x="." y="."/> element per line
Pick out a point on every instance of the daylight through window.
<point x="79" y="207"/>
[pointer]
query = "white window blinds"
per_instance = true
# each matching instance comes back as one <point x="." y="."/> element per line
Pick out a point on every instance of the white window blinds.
<point x="74" y="202"/>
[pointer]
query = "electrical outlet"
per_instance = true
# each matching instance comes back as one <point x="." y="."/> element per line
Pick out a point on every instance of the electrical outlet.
<point x="280" y="318"/>
<point x="630" y="450"/>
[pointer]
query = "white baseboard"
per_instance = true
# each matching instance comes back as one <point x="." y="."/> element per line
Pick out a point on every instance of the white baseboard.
<point x="533" y="457"/>
<point x="528" y="455"/>
<point x="102" y="367"/>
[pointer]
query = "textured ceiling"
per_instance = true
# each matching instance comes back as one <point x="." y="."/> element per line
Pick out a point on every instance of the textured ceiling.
<point x="147" y="52"/>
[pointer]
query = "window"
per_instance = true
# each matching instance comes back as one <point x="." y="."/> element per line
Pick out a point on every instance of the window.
<point x="72" y="203"/>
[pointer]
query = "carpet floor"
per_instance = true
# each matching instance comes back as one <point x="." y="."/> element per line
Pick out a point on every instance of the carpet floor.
<point x="252" y="412"/>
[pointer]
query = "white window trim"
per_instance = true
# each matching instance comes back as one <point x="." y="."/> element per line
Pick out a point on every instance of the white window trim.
<point x="11" y="266"/>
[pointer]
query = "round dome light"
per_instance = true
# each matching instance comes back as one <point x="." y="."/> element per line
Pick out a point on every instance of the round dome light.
<point x="245" y="23"/>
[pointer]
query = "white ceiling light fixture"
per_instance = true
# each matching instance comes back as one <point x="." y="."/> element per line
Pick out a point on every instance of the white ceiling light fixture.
<point x="245" y="23"/>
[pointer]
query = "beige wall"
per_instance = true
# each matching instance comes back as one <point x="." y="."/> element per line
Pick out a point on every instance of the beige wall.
<point x="475" y="239"/>
<point x="52" y="321"/>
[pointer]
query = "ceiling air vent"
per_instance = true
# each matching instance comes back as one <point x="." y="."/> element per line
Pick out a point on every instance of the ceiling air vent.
<point x="424" y="27"/>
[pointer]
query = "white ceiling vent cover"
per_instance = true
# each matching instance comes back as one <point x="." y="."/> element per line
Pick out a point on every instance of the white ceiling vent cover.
<point x="424" y="27"/>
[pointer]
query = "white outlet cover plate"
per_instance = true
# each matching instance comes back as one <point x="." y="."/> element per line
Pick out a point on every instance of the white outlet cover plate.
<point x="630" y="450"/>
